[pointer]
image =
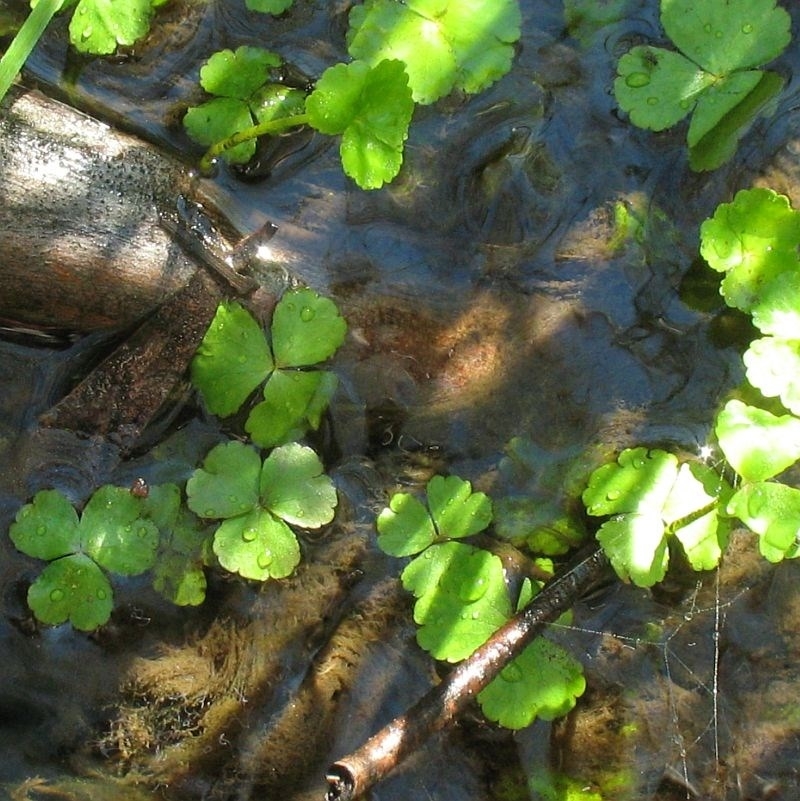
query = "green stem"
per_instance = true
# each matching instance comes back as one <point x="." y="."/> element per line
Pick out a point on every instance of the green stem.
<point x="270" y="127"/>
<point x="27" y="36"/>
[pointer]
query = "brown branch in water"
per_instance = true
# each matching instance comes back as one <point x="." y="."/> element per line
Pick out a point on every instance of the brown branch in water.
<point x="354" y="774"/>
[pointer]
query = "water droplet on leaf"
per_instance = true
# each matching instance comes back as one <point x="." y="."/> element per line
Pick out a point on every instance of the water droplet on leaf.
<point x="707" y="27"/>
<point x="249" y="534"/>
<point x="636" y="80"/>
<point x="56" y="596"/>
<point x="613" y="495"/>
<point x="101" y="594"/>
<point x="41" y="530"/>
<point x="747" y="28"/>
<point x="306" y="314"/>
<point x="652" y="101"/>
<point x="264" y="559"/>
<point x="473" y="589"/>
<point x="511" y="673"/>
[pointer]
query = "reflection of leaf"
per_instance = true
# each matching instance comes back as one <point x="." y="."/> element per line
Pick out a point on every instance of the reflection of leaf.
<point x="756" y="443"/>
<point x="772" y="511"/>
<point x="232" y="360"/>
<point x="371" y="108"/>
<point x="72" y="588"/>
<point x="461" y="598"/>
<point x="544" y="681"/>
<point x="467" y="44"/>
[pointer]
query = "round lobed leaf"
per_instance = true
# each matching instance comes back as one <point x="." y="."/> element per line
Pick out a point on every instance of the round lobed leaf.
<point x="637" y="547"/>
<point x="295" y="488"/>
<point x="232" y="359"/>
<point x="238" y="73"/>
<point x="461" y="598"/>
<point x="46" y="528"/>
<point x="776" y="310"/>
<point x="405" y="526"/>
<point x="756" y="443"/>
<point x="306" y="329"/>
<point x="544" y="681"/>
<point x="456" y="510"/>
<point x="257" y="546"/>
<point x="773" y="366"/>
<point x="772" y="511"/>
<point x="99" y="26"/>
<point x="72" y="589"/>
<point x="227" y="483"/>
<point x="726" y="35"/>
<point x="114" y="533"/>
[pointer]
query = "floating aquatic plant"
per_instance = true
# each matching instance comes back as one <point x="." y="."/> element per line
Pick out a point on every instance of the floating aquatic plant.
<point x="712" y="78"/>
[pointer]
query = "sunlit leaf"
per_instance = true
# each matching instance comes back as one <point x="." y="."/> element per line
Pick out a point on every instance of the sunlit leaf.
<point x="238" y="73"/>
<point x="636" y="547"/>
<point x="544" y="681"/>
<point x="776" y="310"/>
<point x="306" y="329"/>
<point x="772" y="511"/>
<point x="99" y="26"/>
<point x="114" y="533"/>
<point x="371" y="108"/>
<point x="47" y="527"/>
<point x="756" y="443"/>
<point x="227" y="483"/>
<point x="457" y="511"/>
<point x="405" y="527"/>
<point x="773" y="366"/>
<point x="294" y="486"/>
<point x="232" y="360"/>
<point x="461" y="598"/>
<point x="257" y="546"/>
<point x="72" y="589"/>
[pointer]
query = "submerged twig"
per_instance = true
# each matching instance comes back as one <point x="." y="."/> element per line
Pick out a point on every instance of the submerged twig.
<point x="353" y="775"/>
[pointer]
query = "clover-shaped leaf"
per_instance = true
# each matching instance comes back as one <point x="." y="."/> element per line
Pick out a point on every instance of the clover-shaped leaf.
<point x="772" y="511"/>
<point x="713" y="76"/>
<point x="468" y="45"/>
<point x="544" y="681"/>
<point x="72" y="588"/>
<point x="227" y="483"/>
<point x="773" y="366"/>
<point x="461" y="598"/>
<point x="99" y="26"/>
<point x="371" y="108"/>
<point x="237" y="74"/>
<point x="232" y="359"/>
<point x="650" y="498"/>
<point x="756" y="443"/>
<point x="295" y="488"/>
<point x="454" y="511"/>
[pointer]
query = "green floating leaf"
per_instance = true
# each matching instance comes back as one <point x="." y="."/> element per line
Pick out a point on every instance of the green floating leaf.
<point x="227" y="484"/>
<point x="114" y="533"/>
<point x="756" y="443"/>
<point x="237" y="74"/>
<point x="217" y="119"/>
<point x="72" y="589"/>
<point x="99" y="26"/>
<point x="457" y="511"/>
<point x="269" y="6"/>
<point x="753" y="239"/>
<point x="658" y="87"/>
<point x="276" y="101"/>
<point x="773" y="366"/>
<point x="461" y="598"/>
<point x="544" y="681"/>
<point x="405" y="526"/>
<point x="726" y="35"/>
<point x="468" y="45"/>
<point x="636" y="546"/>
<point x="232" y="359"/>
<point x="540" y="527"/>
<point x="772" y="511"/>
<point x="371" y="107"/>
<point x="257" y="546"/>
<point x="46" y="528"/>
<point x="295" y="488"/>
<point x="306" y="329"/>
<point x="293" y="402"/>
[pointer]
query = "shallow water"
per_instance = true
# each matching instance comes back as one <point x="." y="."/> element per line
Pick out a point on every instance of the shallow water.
<point x="485" y="302"/>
